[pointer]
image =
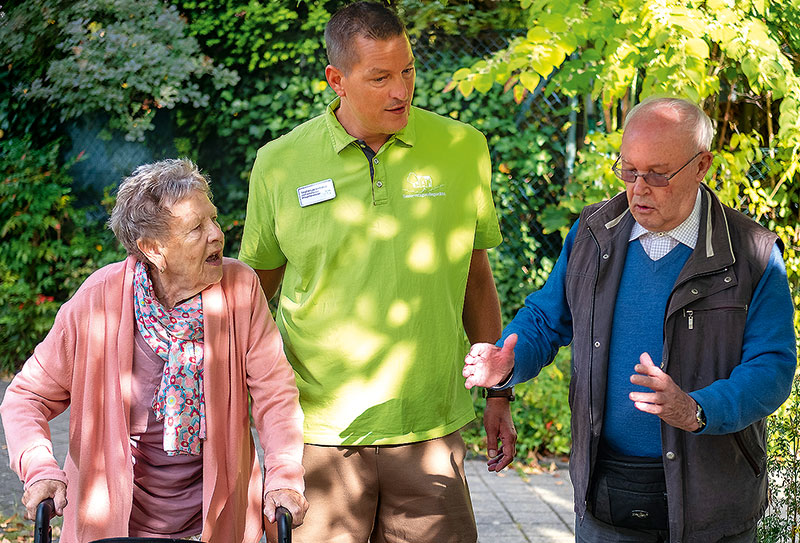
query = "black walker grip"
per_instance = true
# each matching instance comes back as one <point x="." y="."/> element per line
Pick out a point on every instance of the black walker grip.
<point x="284" y="519"/>
<point x="45" y="511"/>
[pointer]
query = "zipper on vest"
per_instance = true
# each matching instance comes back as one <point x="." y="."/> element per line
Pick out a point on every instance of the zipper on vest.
<point x="689" y="314"/>
<point x="746" y="453"/>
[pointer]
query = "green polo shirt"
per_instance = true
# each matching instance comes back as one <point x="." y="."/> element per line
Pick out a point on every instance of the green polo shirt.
<point x="376" y="269"/>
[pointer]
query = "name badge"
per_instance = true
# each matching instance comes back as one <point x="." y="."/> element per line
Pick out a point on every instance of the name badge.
<point x="315" y="193"/>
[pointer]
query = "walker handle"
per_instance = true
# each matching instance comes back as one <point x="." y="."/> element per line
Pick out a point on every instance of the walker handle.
<point x="284" y="519"/>
<point x="44" y="512"/>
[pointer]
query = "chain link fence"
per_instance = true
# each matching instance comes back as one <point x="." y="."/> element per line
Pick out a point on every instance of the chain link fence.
<point x="532" y="192"/>
<point x="108" y="157"/>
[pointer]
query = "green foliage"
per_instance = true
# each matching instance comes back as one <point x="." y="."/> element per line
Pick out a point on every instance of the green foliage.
<point x="47" y="247"/>
<point x="277" y="49"/>
<point x="541" y="414"/>
<point x="783" y="515"/>
<point x="617" y="51"/>
<point x="127" y="58"/>
<point x="260" y="35"/>
<point x="458" y="17"/>
<point x="740" y="61"/>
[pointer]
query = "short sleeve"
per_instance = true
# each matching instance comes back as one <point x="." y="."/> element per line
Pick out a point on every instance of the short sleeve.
<point x="487" y="230"/>
<point x="260" y="248"/>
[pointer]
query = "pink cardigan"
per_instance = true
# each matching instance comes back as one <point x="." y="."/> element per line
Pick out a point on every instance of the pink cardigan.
<point x="85" y="361"/>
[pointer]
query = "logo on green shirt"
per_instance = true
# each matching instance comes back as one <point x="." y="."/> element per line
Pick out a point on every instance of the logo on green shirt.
<point x="421" y="186"/>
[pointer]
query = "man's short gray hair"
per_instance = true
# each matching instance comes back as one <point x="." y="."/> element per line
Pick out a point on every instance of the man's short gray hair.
<point x="360" y="19"/>
<point x="697" y="123"/>
<point x="142" y="210"/>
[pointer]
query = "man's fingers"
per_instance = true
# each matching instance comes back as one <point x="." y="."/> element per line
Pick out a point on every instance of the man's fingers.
<point x="504" y="462"/>
<point x="651" y="382"/>
<point x="648" y="369"/>
<point x="649" y="397"/>
<point x="508" y="345"/>
<point x="491" y="441"/>
<point x="502" y="459"/>
<point x="644" y="358"/>
<point x="648" y="407"/>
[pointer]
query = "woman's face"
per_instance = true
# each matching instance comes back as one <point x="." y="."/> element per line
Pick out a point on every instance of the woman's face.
<point x="192" y="254"/>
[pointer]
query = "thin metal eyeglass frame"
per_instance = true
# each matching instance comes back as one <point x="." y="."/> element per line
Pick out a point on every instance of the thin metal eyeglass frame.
<point x="648" y="176"/>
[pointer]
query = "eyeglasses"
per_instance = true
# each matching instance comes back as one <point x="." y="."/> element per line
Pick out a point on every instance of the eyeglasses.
<point x="651" y="178"/>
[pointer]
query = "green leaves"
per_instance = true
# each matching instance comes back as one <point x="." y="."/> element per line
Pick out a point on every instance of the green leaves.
<point x="47" y="246"/>
<point x="124" y="57"/>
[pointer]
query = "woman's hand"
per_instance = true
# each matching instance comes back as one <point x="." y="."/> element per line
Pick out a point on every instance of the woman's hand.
<point x="41" y="490"/>
<point x="290" y="499"/>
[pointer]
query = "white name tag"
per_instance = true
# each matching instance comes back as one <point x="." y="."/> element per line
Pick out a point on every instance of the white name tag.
<point x="315" y="193"/>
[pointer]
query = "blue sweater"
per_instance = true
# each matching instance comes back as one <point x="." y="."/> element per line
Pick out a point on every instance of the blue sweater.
<point x="544" y="325"/>
<point x="638" y="327"/>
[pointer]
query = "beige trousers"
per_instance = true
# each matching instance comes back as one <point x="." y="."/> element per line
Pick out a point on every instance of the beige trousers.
<point x="413" y="493"/>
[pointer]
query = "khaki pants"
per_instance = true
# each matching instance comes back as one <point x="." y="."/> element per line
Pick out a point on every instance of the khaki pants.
<point x="388" y="494"/>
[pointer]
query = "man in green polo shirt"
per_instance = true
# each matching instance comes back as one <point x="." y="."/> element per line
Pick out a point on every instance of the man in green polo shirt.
<point x="376" y="216"/>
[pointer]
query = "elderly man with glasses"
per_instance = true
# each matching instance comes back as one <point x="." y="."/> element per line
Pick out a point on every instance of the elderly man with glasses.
<point x="680" y="318"/>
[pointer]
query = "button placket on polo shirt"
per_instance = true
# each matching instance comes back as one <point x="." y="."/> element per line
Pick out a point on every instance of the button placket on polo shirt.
<point x="380" y="194"/>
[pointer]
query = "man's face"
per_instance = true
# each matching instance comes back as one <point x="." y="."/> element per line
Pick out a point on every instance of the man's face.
<point x="655" y="141"/>
<point x="376" y="92"/>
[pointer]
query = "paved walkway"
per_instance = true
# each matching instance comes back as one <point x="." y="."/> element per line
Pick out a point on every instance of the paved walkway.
<point x="509" y="508"/>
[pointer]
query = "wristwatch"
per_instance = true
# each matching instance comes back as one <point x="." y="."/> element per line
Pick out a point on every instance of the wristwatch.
<point x="700" y="416"/>
<point x="504" y="393"/>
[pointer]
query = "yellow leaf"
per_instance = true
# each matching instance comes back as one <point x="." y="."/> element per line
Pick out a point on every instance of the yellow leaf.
<point x="538" y="34"/>
<point x="529" y="80"/>
<point x="541" y="66"/>
<point x="461" y="74"/>
<point x="554" y="57"/>
<point x="483" y="82"/>
<point x="697" y="47"/>
<point x="519" y="93"/>
<point x="554" y="22"/>
<point x="465" y="87"/>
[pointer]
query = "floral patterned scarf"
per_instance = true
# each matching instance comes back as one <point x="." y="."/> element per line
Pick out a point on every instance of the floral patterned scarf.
<point x="176" y="336"/>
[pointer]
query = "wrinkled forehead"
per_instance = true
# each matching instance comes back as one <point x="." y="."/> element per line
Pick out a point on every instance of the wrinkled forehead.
<point x="660" y="133"/>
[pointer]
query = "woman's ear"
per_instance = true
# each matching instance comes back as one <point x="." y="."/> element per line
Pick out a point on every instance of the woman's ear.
<point x="152" y="250"/>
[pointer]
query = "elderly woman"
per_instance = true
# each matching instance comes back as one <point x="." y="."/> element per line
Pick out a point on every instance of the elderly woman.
<point x="158" y="357"/>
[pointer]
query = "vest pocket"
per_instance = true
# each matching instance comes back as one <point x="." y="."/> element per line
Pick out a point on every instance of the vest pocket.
<point x="696" y="317"/>
<point x="747" y="452"/>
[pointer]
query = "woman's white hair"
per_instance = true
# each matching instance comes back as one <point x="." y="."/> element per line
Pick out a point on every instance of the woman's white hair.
<point x="692" y="116"/>
<point x="144" y="199"/>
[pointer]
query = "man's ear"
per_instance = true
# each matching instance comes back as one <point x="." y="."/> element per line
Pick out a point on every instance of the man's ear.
<point x="151" y="249"/>
<point x="335" y="76"/>
<point x="704" y="164"/>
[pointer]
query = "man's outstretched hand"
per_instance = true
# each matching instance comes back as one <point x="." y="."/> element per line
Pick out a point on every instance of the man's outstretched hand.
<point x="487" y="365"/>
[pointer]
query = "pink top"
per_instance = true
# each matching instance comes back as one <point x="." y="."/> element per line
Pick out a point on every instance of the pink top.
<point x="167" y="490"/>
<point x="86" y="362"/>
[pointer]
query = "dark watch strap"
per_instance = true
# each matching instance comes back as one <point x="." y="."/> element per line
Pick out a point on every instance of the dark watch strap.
<point x="504" y="393"/>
